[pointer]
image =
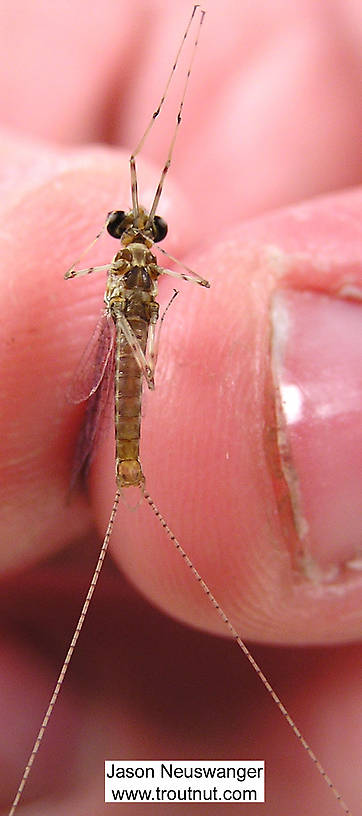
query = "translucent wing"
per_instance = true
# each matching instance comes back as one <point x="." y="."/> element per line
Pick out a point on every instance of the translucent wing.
<point x="94" y="361"/>
<point x="94" y="422"/>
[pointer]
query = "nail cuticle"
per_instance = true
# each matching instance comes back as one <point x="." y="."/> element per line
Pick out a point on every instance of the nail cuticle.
<point x="317" y="389"/>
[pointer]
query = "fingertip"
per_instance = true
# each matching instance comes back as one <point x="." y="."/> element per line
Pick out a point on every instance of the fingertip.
<point x="210" y="447"/>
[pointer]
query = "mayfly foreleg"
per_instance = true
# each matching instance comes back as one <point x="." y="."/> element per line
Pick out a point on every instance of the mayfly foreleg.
<point x="179" y="114"/>
<point x="134" y="187"/>
<point x="138" y="148"/>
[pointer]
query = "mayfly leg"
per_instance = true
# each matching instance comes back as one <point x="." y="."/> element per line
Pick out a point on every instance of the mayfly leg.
<point x="153" y="344"/>
<point x="155" y="115"/>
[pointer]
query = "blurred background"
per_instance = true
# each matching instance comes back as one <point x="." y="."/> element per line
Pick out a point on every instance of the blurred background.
<point x="274" y="111"/>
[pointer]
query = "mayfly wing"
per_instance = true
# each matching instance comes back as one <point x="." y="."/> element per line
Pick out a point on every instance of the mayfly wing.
<point x="94" y="360"/>
<point x="94" y="422"/>
<point x="93" y="382"/>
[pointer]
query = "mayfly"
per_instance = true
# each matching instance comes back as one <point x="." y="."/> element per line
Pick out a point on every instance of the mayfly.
<point x="125" y="350"/>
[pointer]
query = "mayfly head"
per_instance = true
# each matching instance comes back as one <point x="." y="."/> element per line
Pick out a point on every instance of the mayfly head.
<point x="128" y="229"/>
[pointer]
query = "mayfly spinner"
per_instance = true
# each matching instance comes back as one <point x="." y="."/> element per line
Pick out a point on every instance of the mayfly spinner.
<point x="124" y="351"/>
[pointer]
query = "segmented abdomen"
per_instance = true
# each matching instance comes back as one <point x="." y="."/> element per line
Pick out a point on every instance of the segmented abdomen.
<point x="128" y="392"/>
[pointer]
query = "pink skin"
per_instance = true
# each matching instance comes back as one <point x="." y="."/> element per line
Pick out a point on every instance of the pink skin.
<point x="164" y="690"/>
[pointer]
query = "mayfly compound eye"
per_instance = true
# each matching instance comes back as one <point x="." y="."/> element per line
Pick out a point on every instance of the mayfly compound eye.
<point x="159" y="229"/>
<point x="116" y="223"/>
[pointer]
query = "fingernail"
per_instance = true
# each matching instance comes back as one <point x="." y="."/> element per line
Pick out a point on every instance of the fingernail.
<point x="317" y="372"/>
